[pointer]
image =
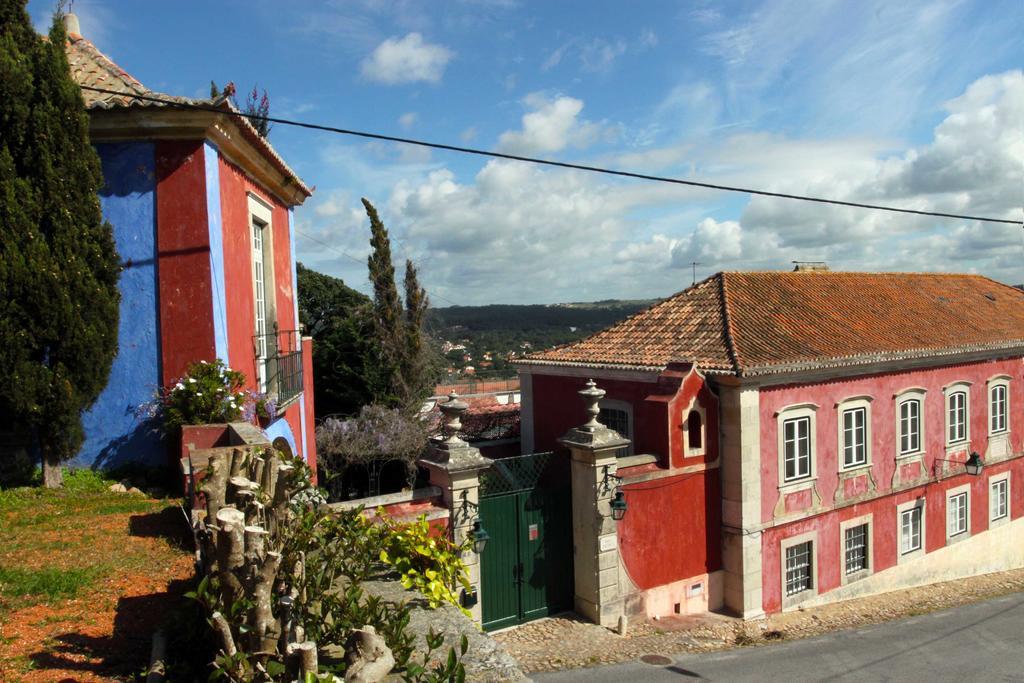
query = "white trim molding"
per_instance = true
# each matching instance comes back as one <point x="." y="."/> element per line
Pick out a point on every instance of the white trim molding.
<point x="956" y="443"/>
<point x="963" y="491"/>
<point x="902" y="556"/>
<point x="799" y="411"/>
<point x="791" y="601"/>
<point x="685" y="428"/>
<point x="852" y="404"/>
<point x="863" y="520"/>
<point x="992" y="481"/>
<point x="904" y="396"/>
<point x="1001" y="381"/>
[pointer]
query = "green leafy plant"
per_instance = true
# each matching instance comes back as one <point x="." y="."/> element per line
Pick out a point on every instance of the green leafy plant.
<point x="208" y="393"/>
<point x="427" y="562"/>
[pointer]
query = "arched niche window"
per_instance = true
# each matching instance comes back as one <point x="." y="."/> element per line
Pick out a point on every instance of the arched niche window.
<point x="283" y="447"/>
<point x="694" y="430"/>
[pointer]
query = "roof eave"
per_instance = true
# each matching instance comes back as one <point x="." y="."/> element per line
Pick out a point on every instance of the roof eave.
<point x="240" y="143"/>
<point x="526" y="362"/>
<point x="885" y="361"/>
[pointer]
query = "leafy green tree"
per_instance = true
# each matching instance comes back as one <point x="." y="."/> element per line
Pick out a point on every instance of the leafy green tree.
<point x="337" y="317"/>
<point x="406" y="372"/>
<point x="58" y="263"/>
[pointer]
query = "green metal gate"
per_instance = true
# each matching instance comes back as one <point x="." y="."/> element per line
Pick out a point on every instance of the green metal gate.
<point x="526" y="569"/>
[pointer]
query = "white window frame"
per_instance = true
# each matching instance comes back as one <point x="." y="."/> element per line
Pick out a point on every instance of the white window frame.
<point x="1001" y="384"/>
<point x="262" y="264"/>
<point x="904" y="556"/>
<point x="801" y="411"/>
<point x="958" y="441"/>
<point x="907" y="396"/>
<point x="858" y="403"/>
<point x="1003" y="480"/>
<point x="960" y="494"/>
<point x="863" y="520"/>
<point x="789" y="601"/>
<point x="627" y="408"/>
<point x="685" y="430"/>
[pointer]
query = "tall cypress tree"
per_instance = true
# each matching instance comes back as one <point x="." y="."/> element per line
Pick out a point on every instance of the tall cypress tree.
<point x="416" y="359"/>
<point x="389" y="386"/>
<point x="404" y="372"/>
<point x="58" y="262"/>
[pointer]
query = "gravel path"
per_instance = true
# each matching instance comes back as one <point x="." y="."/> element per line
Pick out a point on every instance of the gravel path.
<point x="567" y="642"/>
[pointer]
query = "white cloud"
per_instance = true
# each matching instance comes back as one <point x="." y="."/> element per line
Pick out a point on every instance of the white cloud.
<point x="406" y="60"/>
<point x="599" y="54"/>
<point x="648" y="38"/>
<point x="469" y="134"/>
<point x="973" y="166"/>
<point x="550" y="127"/>
<point x="595" y="54"/>
<point x="408" y="120"/>
<point x="518" y="233"/>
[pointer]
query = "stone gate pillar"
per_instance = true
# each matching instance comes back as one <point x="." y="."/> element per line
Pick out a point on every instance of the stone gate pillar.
<point x="596" y="561"/>
<point x="455" y="467"/>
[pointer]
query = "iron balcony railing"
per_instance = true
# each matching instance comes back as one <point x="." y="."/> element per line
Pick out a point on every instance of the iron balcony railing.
<point x="279" y="364"/>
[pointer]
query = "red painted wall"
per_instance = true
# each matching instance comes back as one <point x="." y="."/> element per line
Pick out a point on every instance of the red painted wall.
<point x="883" y="389"/>
<point x="307" y="388"/>
<point x="183" y="258"/>
<point x="672" y="529"/>
<point x="885" y="534"/>
<point x="235" y="186"/>
<point x="557" y="408"/>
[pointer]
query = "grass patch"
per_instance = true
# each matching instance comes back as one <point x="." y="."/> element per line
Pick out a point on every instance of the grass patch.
<point x="49" y="583"/>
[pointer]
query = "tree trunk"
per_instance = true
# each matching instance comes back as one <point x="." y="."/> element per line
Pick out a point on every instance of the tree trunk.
<point x="53" y="477"/>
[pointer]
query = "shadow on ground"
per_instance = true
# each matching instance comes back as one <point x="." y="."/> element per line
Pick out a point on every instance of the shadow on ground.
<point x="125" y="651"/>
<point x="170" y="523"/>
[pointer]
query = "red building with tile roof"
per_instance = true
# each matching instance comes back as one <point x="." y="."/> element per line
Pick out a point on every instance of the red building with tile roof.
<point x="803" y="437"/>
<point x="202" y="210"/>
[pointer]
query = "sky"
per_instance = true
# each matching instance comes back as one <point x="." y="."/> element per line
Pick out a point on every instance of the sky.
<point x="912" y="104"/>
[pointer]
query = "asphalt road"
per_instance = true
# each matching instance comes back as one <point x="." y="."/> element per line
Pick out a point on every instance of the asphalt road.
<point x="979" y="642"/>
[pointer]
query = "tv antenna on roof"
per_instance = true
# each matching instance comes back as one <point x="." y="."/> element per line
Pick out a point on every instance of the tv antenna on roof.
<point x="694" y="264"/>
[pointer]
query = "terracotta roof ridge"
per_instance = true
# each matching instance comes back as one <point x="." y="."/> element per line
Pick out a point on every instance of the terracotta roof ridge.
<point x="109" y="65"/>
<point x="730" y="336"/>
<point x="1015" y="290"/>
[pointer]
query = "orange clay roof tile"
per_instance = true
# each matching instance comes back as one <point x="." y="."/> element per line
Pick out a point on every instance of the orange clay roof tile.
<point x="90" y="67"/>
<point x="747" y="323"/>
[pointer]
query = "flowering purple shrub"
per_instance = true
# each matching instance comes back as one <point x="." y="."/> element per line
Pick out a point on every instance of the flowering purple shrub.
<point x="374" y="437"/>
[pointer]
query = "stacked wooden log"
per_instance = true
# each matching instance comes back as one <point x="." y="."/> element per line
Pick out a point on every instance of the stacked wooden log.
<point x="239" y="537"/>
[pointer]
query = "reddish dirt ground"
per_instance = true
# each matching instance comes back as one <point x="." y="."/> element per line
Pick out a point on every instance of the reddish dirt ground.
<point x="139" y="569"/>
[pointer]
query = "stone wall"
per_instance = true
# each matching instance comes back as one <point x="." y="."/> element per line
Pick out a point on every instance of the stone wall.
<point x="485" y="660"/>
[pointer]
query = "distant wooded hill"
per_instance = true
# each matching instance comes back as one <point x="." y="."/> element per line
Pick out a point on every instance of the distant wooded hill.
<point x="499" y="330"/>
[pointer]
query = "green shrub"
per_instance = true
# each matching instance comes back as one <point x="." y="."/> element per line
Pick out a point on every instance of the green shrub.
<point x="428" y="563"/>
<point x="209" y="393"/>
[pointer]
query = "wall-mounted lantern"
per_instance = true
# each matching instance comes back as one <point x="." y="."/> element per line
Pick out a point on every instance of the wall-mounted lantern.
<point x="480" y="536"/>
<point x="618" y="506"/>
<point x="973" y="465"/>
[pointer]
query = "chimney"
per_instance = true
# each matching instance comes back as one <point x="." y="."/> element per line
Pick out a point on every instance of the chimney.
<point x="809" y="266"/>
<point x="71" y="25"/>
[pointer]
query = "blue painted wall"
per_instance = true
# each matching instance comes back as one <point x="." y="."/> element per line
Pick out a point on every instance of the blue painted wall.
<point x="281" y="428"/>
<point x="220" y="311"/>
<point x="115" y="434"/>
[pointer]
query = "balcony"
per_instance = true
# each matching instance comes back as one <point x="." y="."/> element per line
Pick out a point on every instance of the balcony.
<point x="279" y="365"/>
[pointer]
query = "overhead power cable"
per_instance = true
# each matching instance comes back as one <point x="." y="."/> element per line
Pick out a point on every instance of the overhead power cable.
<point x="358" y="260"/>
<point x="558" y="164"/>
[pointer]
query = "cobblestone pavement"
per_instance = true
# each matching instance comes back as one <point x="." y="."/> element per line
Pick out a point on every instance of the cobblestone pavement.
<point x="566" y="642"/>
